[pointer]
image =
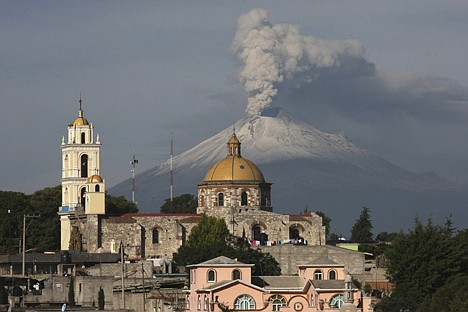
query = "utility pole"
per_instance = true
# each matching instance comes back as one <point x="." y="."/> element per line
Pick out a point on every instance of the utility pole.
<point x="24" y="241"/>
<point x="133" y="162"/>
<point x="172" y="174"/>
<point x="123" y="272"/>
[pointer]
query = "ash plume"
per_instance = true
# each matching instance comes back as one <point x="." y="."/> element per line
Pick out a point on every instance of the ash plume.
<point x="274" y="54"/>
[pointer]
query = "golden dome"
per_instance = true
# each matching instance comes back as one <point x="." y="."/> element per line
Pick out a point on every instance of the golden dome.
<point x="234" y="167"/>
<point x="80" y="121"/>
<point x="95" y="179"/>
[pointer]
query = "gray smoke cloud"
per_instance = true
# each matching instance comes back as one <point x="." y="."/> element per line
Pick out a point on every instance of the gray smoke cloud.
<point x="274" y="54"/>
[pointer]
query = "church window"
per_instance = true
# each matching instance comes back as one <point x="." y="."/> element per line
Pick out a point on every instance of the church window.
<point x="97" y="188"/>
<point x="294" y="233"/>
<point x="336" y="301"/>
<point x="211" y="276"/>
<point x="318" y="275"/>
<point x="220" y="199"/>
<point x="277" y="302"/>
<point x="244" y="199"/>
<point x="332" y="274"/>
<point x="236" y="274"/>
<point x="83" y="138"/>
<point x="244" y="302"/>
<point x="155" y="236"/>
<point x="256" y="231"/>
<point x="83" y="197"/>
<point x="84" y="166"/>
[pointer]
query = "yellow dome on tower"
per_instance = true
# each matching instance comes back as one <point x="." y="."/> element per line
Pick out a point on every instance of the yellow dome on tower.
<point x="234" y="167"/>
<point x="80" y="121"/>
<point x="95" y="179"/>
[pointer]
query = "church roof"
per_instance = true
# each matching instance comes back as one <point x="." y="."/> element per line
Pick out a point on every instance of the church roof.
<point x="234" y="167"/>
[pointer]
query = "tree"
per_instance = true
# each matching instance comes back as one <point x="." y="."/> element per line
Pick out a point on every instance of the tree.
<point x="101" y="299"/>
<point x="452" y="297"/>
<point x="117" y="206"/>
<point x="362" y="228"/>
<point x="185" y="203"/>
<point x="419" y="263"/>
<point x="325" y="222"/>
<point x="210" y="238"/>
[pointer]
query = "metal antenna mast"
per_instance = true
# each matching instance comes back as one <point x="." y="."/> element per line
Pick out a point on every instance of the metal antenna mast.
<point x="172" y="174"/>
<point x="133" y="162"/>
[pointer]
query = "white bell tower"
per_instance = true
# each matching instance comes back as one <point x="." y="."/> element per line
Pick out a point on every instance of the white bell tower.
<point x="83" y="190"/>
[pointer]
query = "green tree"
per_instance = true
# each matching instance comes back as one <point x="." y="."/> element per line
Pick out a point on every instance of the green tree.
<point x="119" y="205"/>
<point x="452" y="297"/>
<point x="185" y="203"/>
<point x="362" y="228"/>
<point x="210" y="238"/>
<point x="419" y="263"/>
<point x="101" y="299"/>
<point x="325" y="221"/>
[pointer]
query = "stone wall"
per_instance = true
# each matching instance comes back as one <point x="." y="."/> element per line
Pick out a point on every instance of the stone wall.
<point x="289" y="256"/>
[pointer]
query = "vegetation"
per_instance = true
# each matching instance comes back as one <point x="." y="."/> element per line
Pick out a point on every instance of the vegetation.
<point x="425" y="265"/>
<point x="362" y="229"/>
<point x="43" y="232"/>
<point x="211" y="238"/>
<point x="185" y="203"/>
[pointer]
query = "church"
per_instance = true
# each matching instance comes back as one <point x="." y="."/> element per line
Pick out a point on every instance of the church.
<point x="234" y="189"/>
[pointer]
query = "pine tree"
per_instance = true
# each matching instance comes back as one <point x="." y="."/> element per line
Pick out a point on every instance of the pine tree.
<point x="71" y="292"/>
<point x="101" y="299"/>
<point x="362" y="228"/>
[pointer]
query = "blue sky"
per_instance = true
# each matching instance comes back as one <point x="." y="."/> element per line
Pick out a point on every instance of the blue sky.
<point x="149" y="71"/>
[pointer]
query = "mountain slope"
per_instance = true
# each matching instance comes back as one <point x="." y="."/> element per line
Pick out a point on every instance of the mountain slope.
<point x="310" y="170"/>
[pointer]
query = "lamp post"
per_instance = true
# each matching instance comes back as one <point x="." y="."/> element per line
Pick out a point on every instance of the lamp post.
<point x="24" y="241"/>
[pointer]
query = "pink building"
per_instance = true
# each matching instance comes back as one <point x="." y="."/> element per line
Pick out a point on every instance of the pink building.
<point x="223" y="283"/>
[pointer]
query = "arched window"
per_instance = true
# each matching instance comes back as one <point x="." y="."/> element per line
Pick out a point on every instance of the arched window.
<point x="256" y="231"/>
<point x="244" y="302"/>
<point x="211" y="276"/>
<point x="336" y="301"/>
<point x="83" y="197"/>
<point x="294" y="233"/>
<point x="84" y="166"/>
<point x="220" y="199"/>
<point x="244" y="199"/>
<point x="277" y="302"/>
<point x="318" y="275"/>
<point x="155" y="236"/>
<point x="332" y="274"/>
<point x="236" y="274"/>
<point x="97" y="188"/>
<point x="83" y="138"/>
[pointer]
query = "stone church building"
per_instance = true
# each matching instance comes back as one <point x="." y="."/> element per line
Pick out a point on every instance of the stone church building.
<point x="233" y="189"/>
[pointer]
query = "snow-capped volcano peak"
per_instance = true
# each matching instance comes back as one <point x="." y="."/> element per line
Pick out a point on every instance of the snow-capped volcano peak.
<point x="272" y="136"/>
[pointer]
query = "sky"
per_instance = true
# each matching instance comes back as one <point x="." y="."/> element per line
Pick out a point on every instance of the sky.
<point x="392" y="75"/>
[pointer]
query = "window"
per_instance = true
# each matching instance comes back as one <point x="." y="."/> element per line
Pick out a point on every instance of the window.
<point x="83" y="138"/>
<point x="97" y="188"/>
<point x="211" y="276"/>
<point x="318" y="275"/>
<point x="277" y="302"/>
<point x="220" y="199"/>
<point x="83" y="197"/>
<point x="205" y="307"/>
<point x="155" y="236"/>
<point x="336" y="301"/>
<point x="244" y="199"/>
<point x="256" y="231"/>
<point x="84" y="166"/>
<point x="199" y="302"/>
<point x="294" y="233"/>
<point x="244" y="302"/>
<point x="332" y="274"/>
<point x="236" y="274"/>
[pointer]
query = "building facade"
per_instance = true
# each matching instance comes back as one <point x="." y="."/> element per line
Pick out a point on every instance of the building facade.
<point x="233" y="189"/>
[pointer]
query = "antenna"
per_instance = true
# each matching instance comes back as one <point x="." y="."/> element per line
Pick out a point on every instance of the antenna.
<point x="172" y="173"/>
<point x="133" y="162"/>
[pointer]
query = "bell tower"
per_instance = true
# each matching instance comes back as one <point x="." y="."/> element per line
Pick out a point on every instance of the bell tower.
<point x="83" y="190"/>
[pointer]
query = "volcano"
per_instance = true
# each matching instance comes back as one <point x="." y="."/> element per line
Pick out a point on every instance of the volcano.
<point x="311" y="171"/>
